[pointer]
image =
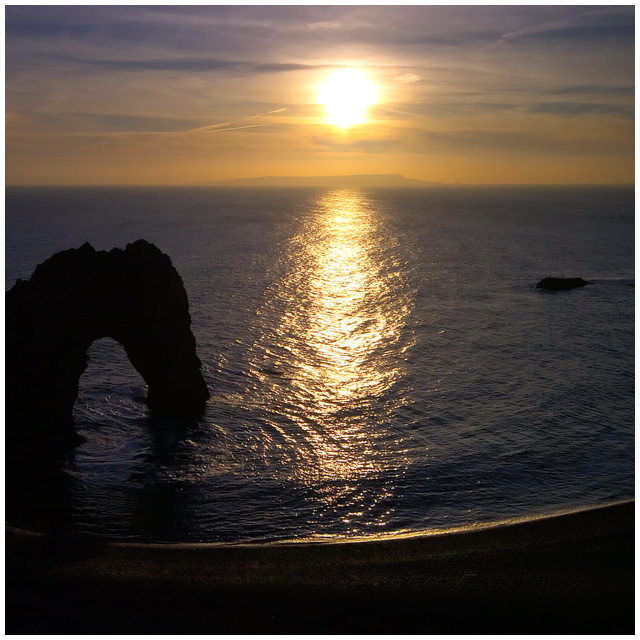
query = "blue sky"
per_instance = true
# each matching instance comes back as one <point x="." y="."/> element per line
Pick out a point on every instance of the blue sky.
<point x="178" y="95"/>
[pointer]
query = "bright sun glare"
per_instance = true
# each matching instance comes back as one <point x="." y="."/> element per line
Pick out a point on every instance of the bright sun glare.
<point x="346" y="96"/>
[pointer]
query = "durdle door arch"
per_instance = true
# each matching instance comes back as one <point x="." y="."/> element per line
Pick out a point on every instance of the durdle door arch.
<point x="134" y="296"/>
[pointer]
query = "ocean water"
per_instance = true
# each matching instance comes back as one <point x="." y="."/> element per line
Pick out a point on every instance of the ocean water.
<point x="378" y="360"/>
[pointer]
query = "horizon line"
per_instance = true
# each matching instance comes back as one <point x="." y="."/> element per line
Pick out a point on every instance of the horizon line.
<point x="427" y="185"/>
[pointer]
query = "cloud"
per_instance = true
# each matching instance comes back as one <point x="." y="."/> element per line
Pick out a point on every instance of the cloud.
<point x="521" y="143"/>
<point x="622" y="91"/>
<point x="324" y="25"/>
<point x="408" y="78"/>
<point x="612" y="24"/>
<point x="582" y="108"/>
<point x="110" y="122"/>
<point x="357" y="146"/>
<point x="448" y="109"/>
<point x="471" y="109"/>
<point x="237" y="125"/>
<point x="226" y="127"/>
<point x="181" y="65"/>
<point x="103" y="123"/>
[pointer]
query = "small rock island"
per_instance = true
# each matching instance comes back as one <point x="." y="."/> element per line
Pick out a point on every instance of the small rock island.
<point x="134" y="296"/>
<point x="561" y="284"/>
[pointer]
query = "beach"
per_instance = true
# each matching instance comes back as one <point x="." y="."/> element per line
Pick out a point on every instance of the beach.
<point x="571" y="573"/>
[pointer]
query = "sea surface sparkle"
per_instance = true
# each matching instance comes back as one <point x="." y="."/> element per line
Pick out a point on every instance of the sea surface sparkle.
<point x="379" y="361"/>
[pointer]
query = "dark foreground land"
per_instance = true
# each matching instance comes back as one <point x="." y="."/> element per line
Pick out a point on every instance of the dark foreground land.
<point x="570" y="574"/>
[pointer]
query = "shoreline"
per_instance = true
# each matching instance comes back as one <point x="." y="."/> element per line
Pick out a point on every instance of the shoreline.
<point x="560" y="573"/>
<point x="16" y="532"/>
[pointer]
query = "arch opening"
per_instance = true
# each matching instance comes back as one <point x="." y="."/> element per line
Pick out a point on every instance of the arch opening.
<point x="109" y="389"/>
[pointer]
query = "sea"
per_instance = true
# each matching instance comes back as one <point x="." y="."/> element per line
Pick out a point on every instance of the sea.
<point x="379" y="361"/>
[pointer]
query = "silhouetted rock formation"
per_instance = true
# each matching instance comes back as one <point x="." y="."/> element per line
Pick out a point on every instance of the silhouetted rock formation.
<point x="561" y="284"/>
<point x="134" y="296"/>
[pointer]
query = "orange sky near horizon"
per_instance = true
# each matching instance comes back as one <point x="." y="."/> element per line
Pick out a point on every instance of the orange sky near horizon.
<point x="192" y="95"/>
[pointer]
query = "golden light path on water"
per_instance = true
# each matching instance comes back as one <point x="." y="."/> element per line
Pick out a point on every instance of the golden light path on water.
<point x="334" y="344"/>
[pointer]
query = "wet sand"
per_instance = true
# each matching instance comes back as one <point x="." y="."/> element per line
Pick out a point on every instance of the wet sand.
<point x="567" y="574"/>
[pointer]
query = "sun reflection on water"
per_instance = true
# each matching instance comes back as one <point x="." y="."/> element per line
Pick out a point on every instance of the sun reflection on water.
<point x="347" y="319"/>
<point x="333" y="345"/>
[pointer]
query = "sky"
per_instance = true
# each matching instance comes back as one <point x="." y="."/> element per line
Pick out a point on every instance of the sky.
<point x="195" y="94"/>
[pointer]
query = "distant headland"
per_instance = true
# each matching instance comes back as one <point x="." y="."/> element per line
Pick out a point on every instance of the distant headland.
<point x="364" y="180"/>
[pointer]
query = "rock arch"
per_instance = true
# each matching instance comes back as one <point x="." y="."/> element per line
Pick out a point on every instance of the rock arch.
<point x="134" y="296"/>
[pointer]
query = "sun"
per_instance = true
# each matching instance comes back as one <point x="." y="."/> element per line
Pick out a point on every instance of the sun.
<point x="346" y="96"/>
